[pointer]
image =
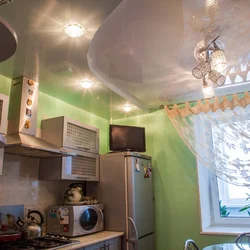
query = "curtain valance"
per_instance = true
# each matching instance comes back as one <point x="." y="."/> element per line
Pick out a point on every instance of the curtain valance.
<point x="206" y="106"/>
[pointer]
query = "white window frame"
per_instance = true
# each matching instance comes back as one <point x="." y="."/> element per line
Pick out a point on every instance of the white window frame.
<point x="241" y="202"/>
<point x="211" y="222"/>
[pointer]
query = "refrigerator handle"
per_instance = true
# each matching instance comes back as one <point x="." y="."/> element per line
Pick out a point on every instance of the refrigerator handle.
<point x="102" y="220"/>
<point x="135" y="239"/>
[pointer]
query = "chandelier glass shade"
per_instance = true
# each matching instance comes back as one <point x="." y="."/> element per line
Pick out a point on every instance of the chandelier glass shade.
<point x="207" y="90"/>
<point x="201" y="69"/>
<point x="218" y="60"/>
<point x="216" y="77"/>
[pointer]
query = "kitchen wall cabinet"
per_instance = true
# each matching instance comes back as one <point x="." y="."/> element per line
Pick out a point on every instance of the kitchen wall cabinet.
<point x="83" y="167"/>
<point x="67" y="133"/>
<point x="76" y="137"/>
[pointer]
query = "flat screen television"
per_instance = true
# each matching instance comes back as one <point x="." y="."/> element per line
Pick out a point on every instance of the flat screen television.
<point x="127" y="138"/>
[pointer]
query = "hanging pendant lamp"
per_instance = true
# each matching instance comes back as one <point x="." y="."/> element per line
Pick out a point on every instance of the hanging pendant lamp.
<point x="218" y="59"/>
<point x="201" y="69"/>
<point x="216" y="78"/>
<point x="207" y="90"/>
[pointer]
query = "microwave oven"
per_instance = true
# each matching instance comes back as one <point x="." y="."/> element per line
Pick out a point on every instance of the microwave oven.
<point x="75" y="220"/>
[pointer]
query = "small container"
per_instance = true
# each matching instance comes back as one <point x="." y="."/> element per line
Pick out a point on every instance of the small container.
<point x="4" y="227"/>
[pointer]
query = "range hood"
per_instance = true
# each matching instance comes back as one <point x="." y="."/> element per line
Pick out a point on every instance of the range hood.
<point x="21" y="135"/>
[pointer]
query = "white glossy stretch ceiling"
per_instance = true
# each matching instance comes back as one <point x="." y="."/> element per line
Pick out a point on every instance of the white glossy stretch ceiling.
<point x="141" y="49"/>
<point x="145" y="49"/>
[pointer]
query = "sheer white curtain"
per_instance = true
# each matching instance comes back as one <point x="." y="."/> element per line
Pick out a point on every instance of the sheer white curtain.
<point x="218" y="134"/>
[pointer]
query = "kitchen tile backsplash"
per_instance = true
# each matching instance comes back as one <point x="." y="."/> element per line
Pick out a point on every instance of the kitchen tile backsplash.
<point x="19" y="184"/>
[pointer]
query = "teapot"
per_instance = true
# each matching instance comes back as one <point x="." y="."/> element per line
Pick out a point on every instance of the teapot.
<point x="74" y="193"/>
<point x="32" y="228"/>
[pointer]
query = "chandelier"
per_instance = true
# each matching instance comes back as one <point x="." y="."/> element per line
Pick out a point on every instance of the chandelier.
<point x="211" y="58"/>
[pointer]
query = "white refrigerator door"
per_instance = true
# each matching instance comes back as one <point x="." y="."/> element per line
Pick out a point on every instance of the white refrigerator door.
<point x="147" y="243"/>
<point x="140" y="203"/>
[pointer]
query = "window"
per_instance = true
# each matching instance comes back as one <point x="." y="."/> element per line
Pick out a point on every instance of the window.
<point x="220" y="201"/>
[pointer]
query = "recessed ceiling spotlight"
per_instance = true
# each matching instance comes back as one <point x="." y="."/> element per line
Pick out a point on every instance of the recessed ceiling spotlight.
<point x="74" y="30"/>
<point x="127" y="107"/>
<point x="86" y="83"/>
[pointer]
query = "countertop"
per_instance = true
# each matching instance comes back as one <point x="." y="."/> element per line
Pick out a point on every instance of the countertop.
<point x="93" y="239"/>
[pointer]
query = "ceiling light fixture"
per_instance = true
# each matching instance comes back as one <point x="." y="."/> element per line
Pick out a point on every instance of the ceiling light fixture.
<point x="211" y="58"/>
<point x="86" y="83"/>
<point x="127" y="107"/>
<point x="74" y="30"/>
<point x="207" y="90"/>
<point x="214" y="63"/>
<point x="201" y="70"/>
<point x="216" y="77"/>
<point x="218" y="59"/>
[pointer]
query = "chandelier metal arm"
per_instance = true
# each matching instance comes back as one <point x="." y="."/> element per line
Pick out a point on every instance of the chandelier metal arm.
<point x="213" y="42"/>
<point x="207" y="48"/>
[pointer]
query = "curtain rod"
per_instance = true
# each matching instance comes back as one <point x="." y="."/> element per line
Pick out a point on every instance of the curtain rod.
<point x="182" y="103"/>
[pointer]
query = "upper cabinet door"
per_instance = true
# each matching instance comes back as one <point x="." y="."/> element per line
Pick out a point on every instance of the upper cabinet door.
<point x="65" y="132"/>
<point x="80" y="137"/>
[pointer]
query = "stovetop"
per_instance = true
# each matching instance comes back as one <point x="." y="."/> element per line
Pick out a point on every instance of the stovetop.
<point x="47" y="242"/>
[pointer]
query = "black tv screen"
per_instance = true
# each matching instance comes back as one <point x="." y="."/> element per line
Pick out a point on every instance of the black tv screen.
<point x="127" y="138"/>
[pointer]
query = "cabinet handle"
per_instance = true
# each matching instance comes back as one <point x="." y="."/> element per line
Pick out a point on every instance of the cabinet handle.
<point x="82" y="178"/>
<point x="83" y="148"/>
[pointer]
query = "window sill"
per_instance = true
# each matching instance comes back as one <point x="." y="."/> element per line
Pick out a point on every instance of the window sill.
<point x="225" y="230"/>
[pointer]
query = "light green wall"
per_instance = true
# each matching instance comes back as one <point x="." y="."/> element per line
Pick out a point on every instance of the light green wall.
<point x="175" y="184"/>
<point x="5" y="84"/>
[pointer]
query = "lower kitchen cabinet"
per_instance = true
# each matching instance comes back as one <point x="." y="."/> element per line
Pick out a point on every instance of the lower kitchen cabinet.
<point x="98" y="246"/>
<point x="113" y="244"/>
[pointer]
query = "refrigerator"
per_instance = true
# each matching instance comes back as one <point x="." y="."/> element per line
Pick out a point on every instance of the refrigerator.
<point x="126" y="190"/>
